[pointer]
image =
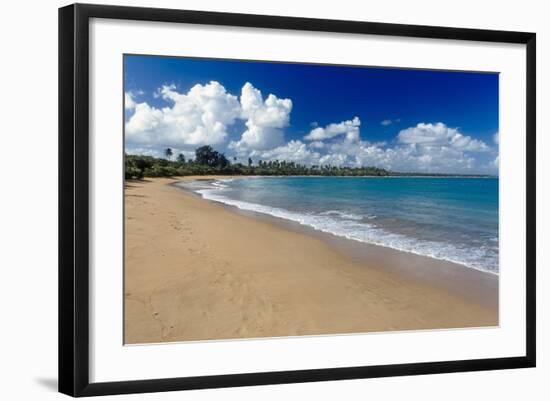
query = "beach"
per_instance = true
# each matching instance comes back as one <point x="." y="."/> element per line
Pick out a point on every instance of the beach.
<point x="198" y="270"/>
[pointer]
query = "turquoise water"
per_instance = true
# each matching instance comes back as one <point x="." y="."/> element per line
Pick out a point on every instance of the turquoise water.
<point x="454" y="219"/>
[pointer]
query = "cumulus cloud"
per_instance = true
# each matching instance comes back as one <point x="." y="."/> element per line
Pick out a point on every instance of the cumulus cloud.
<point x="496" y="138"/>
<point x="401" y="158"/>
<point x="129" y="103"/>
<point x="426" y="148"/>
<point x="203" y="115"/>
<point x="422" y="148"/>
<point x="317" y="145"/>
<point x="206" y="113"/>
<point x="293" y="151"/>
<point x="198" y="117"/>
<point x="350" y="128"/>
<point x="439" y="134"/>
<point x="413" y="158"/>
<point x="333" y="159"/>
<point x="264" y="120"/>
<point x="159" y="152"/>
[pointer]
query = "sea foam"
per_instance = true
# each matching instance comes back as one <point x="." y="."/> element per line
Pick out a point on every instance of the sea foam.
<point x="358" y="228"/>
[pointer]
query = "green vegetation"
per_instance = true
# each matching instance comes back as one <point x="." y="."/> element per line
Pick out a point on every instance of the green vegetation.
<point x="210" y="162"/>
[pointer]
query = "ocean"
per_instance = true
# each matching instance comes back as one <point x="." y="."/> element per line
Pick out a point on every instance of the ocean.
<point x="447" y="218"/>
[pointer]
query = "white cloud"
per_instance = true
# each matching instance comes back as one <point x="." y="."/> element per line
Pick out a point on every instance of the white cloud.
<point x="350" y="128"/>
<point x="496" y="138"/>
<point x="159" y="152"/>
<point x="423" y="148"/>
<point x="204" y="114"/>
<point x="198" y="117"/>
<point x="130" y="98"/>
<point x="387" y="122"/>
<point x="317" y="145"/>
<point x="129" y="103"/>
<point x="439" y="134"/>
<point x="333" y="159"/>
<point x="401" y="158"/>
<point x="264" y="120"/>
<point x="442" y="159"/>
<point x="293" y="151"/>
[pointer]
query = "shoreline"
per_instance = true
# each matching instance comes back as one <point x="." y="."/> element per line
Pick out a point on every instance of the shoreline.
<point x="275" y="279"/>
<point x="455" y="277"/>
<point x="308" y="228"/>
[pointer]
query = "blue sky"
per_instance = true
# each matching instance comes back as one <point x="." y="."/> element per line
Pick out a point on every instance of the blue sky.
<point x="400" y="119"/>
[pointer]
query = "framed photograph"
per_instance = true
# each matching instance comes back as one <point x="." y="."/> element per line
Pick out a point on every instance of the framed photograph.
<point x="250" y="199"/>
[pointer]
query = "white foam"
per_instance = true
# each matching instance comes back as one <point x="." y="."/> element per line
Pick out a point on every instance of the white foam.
<point x="354" y="227"/>
<point x="344" y="215"/>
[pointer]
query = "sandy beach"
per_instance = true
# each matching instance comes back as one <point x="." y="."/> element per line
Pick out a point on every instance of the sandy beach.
<point x="196" y="270"/>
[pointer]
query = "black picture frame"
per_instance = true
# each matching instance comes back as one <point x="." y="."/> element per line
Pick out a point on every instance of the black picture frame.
<point x="74" y="191"/>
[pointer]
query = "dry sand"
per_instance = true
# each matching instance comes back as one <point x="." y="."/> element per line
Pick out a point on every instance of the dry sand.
<point x="195" y="270"/>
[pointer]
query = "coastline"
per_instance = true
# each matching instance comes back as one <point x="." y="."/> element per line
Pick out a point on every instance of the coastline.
<point x="479" y="285"/>
<point x="313" y="226"/>
<point x="225" y="274"/>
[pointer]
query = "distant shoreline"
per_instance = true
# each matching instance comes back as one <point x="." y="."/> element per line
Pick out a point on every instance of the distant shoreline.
<point x="215" y="163"/>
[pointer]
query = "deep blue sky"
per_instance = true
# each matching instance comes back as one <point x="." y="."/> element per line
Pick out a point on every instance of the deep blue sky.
<point x="325" y="94"/>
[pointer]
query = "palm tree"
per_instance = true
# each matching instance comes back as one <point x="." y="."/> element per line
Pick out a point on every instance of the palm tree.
<point x="181" y="158"/>
<point x="168" y="152"/>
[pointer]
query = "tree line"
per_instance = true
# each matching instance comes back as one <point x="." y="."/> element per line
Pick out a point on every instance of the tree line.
<point x="209" y="162"/>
